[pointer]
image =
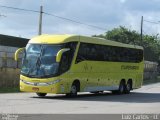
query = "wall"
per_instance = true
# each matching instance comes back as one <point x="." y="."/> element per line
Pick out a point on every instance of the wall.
<point x="9" y="77"/>
<point x="9" y="73"/>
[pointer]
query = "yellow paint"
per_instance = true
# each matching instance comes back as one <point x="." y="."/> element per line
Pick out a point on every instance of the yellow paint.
<point x="59" y="54"/>
<point x="17" y="53"/>
<point x="90" y="73"/>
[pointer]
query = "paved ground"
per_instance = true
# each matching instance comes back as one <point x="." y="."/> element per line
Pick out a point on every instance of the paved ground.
<point x="143" y="100"/>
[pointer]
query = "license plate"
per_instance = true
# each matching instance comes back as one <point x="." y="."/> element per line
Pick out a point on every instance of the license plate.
<point x="35" y="89"/>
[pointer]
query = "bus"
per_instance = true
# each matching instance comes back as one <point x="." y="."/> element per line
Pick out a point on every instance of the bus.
<point x="68" y="64"/>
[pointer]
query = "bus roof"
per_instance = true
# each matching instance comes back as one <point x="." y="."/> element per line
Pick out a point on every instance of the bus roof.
<point x="59" y="39"/>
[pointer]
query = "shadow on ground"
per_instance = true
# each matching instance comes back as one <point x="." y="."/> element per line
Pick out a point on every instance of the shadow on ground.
<point x="133" y="97"/>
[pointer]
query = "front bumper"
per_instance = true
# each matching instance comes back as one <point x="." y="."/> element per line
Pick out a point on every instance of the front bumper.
<point x="41" y="89"/>
<point x="51" y="85"/>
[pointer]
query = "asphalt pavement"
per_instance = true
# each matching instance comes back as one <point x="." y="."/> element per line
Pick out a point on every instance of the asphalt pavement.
<point x="143" y="100"/>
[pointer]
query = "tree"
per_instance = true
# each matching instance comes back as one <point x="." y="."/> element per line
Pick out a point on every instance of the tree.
<point x="150" y="43"/>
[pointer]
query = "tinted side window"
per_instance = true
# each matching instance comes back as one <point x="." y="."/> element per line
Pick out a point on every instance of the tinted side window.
<point x="82" y="53"/>
<point x="95" y="52"/>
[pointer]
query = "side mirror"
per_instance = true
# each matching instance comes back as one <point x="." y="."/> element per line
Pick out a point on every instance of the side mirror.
<point x="16" y="55"/>
<point x="59" y="54"/>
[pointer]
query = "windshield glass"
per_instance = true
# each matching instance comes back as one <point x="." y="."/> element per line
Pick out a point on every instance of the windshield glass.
<point x="40" y="60"/>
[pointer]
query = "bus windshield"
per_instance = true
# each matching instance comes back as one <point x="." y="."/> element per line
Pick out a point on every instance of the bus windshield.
<point x="40" y="60"/>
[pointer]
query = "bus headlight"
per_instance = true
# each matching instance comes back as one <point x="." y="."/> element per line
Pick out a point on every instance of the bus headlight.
<point x="26" y="82"/>
<point x="53" y="82"/>
<point x="41" y="83"/>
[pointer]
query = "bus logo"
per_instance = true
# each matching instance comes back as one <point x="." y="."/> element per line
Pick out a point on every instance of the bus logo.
<point x="129" y="67"/>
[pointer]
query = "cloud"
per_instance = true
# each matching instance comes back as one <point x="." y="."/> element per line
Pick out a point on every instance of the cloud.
<point x="103" y="13"/>
<point x="122" y="1"/>
<point x="143" y="5"/>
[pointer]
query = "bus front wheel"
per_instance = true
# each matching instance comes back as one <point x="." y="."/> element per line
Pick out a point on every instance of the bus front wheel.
<point x="41" y="94"/>
<point x="74" y="89"/>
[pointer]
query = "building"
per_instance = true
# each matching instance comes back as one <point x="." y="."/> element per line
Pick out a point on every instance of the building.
<point x="8" y="45"/>
<point x="8" y="72"/>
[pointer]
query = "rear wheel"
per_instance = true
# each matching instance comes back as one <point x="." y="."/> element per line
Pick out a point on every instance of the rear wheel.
<point x="41" y="94"/>
<point x="128" y="87"/>
<point x="121" y="89"/>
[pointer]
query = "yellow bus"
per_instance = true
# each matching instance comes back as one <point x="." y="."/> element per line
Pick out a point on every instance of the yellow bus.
<point x="68" y="64"/>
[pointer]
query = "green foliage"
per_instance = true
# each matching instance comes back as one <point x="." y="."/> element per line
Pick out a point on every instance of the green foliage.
<point x="150" y="43"/>
<point x="9" y="89"/>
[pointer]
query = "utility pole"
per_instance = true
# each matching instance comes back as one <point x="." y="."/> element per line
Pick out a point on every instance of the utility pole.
<point x="142" y="30"/>
<point x="40" y="21"/>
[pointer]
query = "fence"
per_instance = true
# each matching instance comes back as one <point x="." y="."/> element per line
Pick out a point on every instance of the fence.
<point x="9" y="77"/>
<point x="150" y="70"/>
<point x="9" y="68"/>
<point x="7" y="60"/>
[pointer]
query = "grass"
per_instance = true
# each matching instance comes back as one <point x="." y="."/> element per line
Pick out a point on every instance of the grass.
<point x="9" y="90"/>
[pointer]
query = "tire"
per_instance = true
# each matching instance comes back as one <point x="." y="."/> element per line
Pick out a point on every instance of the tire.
<point x="128" y="87"/>
<point x="73" y="92"/>
<point x="121" y="88"/>
<point x="41" y="94"/>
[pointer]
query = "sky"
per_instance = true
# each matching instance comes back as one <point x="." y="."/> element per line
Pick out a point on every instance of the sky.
<point x="106" y="14"/>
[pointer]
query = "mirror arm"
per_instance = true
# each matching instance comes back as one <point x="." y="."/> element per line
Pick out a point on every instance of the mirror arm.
<point x="59" y="54"/>
<point x="17" y="53"/>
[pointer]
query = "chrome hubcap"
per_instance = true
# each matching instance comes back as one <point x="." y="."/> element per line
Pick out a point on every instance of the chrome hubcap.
<point x="73" y="89"/>
<point x="121" y="88"/>
<point x="128" y="87"/>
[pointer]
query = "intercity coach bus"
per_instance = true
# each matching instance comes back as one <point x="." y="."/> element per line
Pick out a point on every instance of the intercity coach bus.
<point x="67" y="64"/>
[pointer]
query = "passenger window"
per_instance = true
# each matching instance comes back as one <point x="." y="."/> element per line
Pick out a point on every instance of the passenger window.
<point x="95" y="52"/>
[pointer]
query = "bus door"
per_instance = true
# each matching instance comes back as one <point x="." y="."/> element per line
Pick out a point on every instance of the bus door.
<point x="81" y="67"/>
